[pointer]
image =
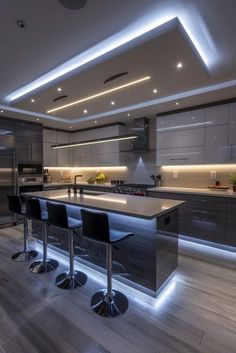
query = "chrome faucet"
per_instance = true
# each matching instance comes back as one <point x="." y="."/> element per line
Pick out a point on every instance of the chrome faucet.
<point x="75" y="184"/>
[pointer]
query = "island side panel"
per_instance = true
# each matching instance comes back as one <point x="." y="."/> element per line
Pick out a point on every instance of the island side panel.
<point x="167" y="247"/>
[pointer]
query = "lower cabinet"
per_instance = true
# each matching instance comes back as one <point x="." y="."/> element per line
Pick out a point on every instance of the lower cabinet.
<point x="205" y="217"/>
<point x="231" y="222"/>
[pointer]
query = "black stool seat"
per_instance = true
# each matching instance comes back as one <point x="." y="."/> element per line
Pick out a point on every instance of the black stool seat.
<point x="74" y="223"/>
<point x="58" y="217"/>
<point x="108" y="302"/>
<point x="118" y="235"/>
<point x="18" y="207"/>
<point x="35" y="211"/>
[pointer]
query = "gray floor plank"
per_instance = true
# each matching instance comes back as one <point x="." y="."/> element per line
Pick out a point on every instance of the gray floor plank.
<point x="198" y="317"/>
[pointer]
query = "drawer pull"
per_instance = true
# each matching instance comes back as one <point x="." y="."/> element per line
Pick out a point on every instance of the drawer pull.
<point x="178" y="159"/>
<point x="199" y="200"/>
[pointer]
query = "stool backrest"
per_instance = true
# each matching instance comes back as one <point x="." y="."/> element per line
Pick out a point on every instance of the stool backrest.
<point x="33" y="209"/>
<point x="95" y="225"/>
<point x="14" y="203"/>
<point x="57" y="215"/>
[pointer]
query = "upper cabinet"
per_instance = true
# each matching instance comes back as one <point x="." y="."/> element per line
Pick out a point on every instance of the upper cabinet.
<point x="232" y="133"/>
<point x="180" y="138"/>
<point x="195" y="137"/>
<point x="103" y="154"/>
<point x="52" y="157"/>
<point x="29" y="142"/>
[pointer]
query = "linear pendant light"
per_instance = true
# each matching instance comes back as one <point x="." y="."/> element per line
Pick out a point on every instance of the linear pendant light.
<point x="99" y="94"/>
<point x="96" y="141"/>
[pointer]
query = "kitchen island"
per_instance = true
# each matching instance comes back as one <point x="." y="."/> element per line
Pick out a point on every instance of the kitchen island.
<point x="145" y="261"/>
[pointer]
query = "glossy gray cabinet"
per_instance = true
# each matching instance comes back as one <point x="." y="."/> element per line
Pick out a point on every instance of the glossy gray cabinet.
<point x="231" y="222"/>
<point x="204" y="136"/>
<point x="202" y="217"/>
<point x="216" y="144"/>
<point x="29" y="142"/>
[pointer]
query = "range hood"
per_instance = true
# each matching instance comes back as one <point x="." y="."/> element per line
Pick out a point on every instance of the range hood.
<point x="141" y="129"/>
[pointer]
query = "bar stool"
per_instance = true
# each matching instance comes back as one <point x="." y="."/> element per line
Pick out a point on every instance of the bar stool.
<point x="107" y="302"/>
<point x="17" y="207"/>
<point x="58" y="217"/>
<point x="35" y="211"/>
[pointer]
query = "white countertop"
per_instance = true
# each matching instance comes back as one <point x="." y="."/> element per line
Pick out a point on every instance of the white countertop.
<point x="207" y="192"/>
<point x="135" y="206"/>
<point x="84" y="183"/>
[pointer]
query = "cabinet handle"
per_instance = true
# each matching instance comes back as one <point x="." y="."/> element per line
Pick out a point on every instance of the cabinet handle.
<point x="179" y="159"/>
<point x="201" y="212"/>
<point x="199" y="200"/>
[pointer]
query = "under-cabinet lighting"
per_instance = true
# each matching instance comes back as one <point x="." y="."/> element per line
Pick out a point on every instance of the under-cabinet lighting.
<point x="199" y="167"/>
<point x="111" y="168"/>
<point x="99" y="94"/>
<point x="96" y="141"/>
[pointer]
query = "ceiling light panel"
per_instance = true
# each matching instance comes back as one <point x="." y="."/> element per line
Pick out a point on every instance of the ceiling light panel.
<point x="189" y="21"/>
<point x="100" y="94"/>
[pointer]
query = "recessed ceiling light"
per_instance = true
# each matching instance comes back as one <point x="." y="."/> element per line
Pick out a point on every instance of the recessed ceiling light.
<point x="95" y="121"/>
<point x="177" y="103"/>
<point x="179" y="65"/>
<point x="99" y="94"/>
<point x="85" y="111"/>
<point x="21" y="24"/>
<point x="70" y="127"/>
<point x="38" y="119"/>
<point x="32" y="100"/>
<point x="155" y="90"/>
<point x="59" y="89"/>
<point x="112" y="103"/>
<point x="2" y="111"/>
<point x="128" y="114"/>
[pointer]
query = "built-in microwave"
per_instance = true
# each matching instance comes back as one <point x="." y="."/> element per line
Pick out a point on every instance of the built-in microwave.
<point x="30" y="169"/>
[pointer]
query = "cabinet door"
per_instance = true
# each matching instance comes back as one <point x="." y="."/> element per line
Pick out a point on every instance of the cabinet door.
<point x="29" y="142"/>
<point x="216" y="144"/>
<point x="63" y="155"/>
<point x="105" y="159"/>
<point x="217" y="115"/>
<point x="206" y="218"/>
<point x="231" y="222"/>
<point x="180" y="156"/>
<point x="49" y="155"/>
<point x="181" y="121"/>
<point x="185" y="138"/>
<point x="232" y="133"/>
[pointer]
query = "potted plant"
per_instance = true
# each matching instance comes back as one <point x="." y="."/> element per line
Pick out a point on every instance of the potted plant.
<point x="233" y="181"/>
<point x="100" y="178"/>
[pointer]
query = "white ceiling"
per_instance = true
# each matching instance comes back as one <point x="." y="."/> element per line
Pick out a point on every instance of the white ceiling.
<point x="55" y="35"/>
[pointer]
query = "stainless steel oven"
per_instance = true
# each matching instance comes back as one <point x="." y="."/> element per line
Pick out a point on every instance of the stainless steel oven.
<point x="30" y="177"/>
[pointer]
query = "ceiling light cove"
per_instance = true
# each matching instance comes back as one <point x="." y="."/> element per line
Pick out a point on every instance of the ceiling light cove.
<point x="99" y="94"/>
<point x="155" y="20"/>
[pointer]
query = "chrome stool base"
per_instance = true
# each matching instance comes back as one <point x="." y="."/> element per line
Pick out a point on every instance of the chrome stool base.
<point x="41" y="266"/>
<point x="24" y="256"/>
<point x="105" y="306"/>
<point x="67" y="281"/>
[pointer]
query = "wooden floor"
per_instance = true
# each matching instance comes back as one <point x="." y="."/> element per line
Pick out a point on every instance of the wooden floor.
<point x="198" y="316"/>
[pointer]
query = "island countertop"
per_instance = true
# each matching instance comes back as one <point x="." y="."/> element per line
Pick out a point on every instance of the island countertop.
<point x="129" y="205"/>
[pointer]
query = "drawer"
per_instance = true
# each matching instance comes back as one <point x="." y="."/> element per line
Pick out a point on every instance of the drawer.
<point x="180" y="156"/>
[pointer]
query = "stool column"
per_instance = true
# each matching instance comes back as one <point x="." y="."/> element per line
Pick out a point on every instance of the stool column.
<point x="45" y="242"/>
<point x="109" y="293"/>
<point x="71" y="252"/>
<point x="26" y="235"/>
